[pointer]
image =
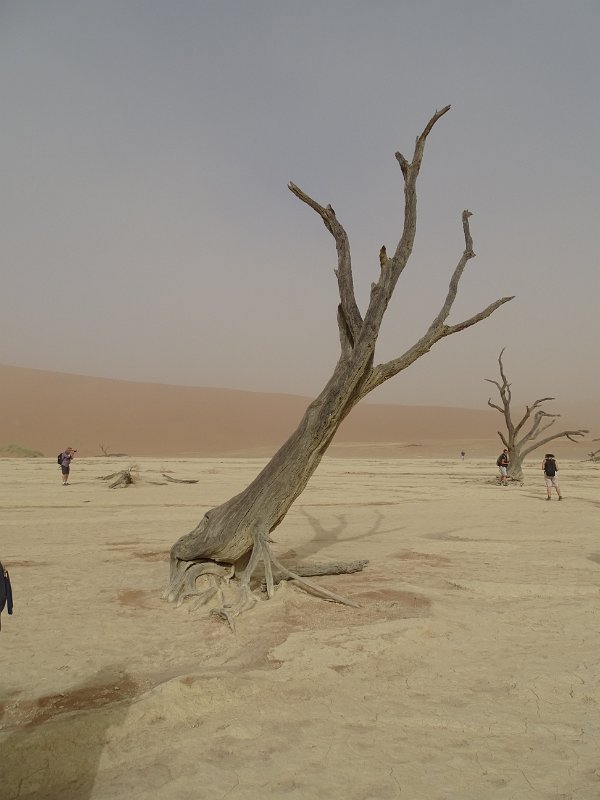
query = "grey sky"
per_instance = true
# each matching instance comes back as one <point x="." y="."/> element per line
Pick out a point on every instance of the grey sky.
<point x="146" y="228"/>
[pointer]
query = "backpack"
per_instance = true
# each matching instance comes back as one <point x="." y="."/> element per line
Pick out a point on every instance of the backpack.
<point x="59" y="459"/>
<point x="500" y="461"/>
<point x="550" y="467"/>
<point x="5" y="592"/>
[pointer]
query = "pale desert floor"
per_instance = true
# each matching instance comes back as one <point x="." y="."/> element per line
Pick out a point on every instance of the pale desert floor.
<point x="470" y="672"/>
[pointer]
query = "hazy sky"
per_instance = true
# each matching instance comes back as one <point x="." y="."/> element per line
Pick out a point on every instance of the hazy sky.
<point x="146" y="227"/>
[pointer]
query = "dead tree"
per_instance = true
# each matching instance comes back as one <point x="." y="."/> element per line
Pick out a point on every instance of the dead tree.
<point x="519" y="439"/>
<point x="106" y="454"/>
<point x="233" y="538"/>
<point x="595" y="454"/>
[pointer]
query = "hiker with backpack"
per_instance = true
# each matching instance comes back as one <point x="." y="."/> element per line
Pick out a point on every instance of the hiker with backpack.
<point x="502" y="464"/>
<point x="64" y="460"/>
<point x="550" y="470"/>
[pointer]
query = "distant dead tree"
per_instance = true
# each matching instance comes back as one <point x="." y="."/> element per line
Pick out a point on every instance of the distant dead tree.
<point x="233" y="538"/>
<point x="595" y="454"/>
<point x="519" y="440"/>
<point x="111" y="455"/>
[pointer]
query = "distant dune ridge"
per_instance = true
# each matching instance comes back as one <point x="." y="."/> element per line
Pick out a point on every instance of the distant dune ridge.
<point x="48" y="411"/>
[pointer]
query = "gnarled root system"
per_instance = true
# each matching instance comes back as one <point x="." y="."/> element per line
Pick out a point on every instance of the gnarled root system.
<point x="217" y="576"/>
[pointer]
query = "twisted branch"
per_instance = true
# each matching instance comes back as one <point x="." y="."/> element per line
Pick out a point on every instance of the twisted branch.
<point x="348" y="310"/>
<point x="437" y="329"/>
<point x="566" y="434"/>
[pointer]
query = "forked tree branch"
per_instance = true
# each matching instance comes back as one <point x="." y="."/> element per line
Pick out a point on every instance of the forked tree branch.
<point x="502" y="374"/>
<point x="468" y="254"/>
<point x="410" y="172"/>
<point x="461" y="326"/>
<point x="352" y="319"/>
<point x="531" y="408"/>
<point x="493" y="405"/>
<point x="503" y="438"/>
<point x="563" y="434"/>
<point x="535" y="429"/>
<point x="505" y="395"/>
<point x="392" y="268"/>
<point x="437" y="329"/>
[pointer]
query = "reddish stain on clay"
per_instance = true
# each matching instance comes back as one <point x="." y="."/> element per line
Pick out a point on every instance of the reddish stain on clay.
<point x="34" y="712"/>
<point x="137" y="598"/>
<point x="408" y="600"/>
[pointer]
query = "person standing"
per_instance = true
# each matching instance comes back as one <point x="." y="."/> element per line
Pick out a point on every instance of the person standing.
<point x="502" y="462"/>
<point x="550" y="470"/>
<point x="65" y="464"/>
<point x="5" y="592"/>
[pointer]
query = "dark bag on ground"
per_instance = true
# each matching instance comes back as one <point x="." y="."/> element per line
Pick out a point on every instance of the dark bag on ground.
<point x="5" y="592"/>
<point x="550" y="467"/>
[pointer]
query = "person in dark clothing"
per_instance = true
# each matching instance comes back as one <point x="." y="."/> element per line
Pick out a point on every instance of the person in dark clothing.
<point x="550" y="470"/>
<point x="5" y="592"/>
<point x="502" y="462"/>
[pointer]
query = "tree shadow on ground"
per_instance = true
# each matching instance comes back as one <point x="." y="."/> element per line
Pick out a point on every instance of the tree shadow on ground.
<point x="54" y="752"/>
<point x="323" y="537"/>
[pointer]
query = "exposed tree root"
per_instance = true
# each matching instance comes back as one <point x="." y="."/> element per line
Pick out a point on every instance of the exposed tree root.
<point x="229" y="612"/>
<point x="311" y="570"/>
<point x="497" y="481"/>
<point x="184" y="574"/>
<point x="219" y="576"/>
<point x="320" y="591"/>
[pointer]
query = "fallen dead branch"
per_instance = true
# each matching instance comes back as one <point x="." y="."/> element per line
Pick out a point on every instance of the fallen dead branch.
<point x="312" y="570"/>
<point x="179" y="480"/>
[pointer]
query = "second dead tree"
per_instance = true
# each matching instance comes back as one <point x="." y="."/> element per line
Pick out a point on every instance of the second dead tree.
<point x="522" y="438"/>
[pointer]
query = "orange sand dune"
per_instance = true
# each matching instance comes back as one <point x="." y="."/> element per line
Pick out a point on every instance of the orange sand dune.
<point x="49" y="411"/>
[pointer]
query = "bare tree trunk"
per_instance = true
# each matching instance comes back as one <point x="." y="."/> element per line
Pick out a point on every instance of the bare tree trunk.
<point x="519" y="441"/>
<point x="226" y="533"/>
<point x="237" y="532"/>
<point x="515" y="464"/>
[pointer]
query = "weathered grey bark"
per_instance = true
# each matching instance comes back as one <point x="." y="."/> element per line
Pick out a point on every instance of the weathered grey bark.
<point x="237" y="532"/>
<point x="519" y="441"/>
